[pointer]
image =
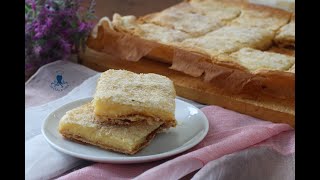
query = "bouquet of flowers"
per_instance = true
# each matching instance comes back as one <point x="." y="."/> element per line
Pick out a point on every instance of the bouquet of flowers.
<point x="54" y="30"/>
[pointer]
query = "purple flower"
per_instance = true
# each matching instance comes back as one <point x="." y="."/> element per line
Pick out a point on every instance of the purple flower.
<point x="38" y="35"/>
<point x="82" y="26"/>
<point x="65" y="46"/>
<point x="49" y="22"/>
<point x="44" y="29"/>
<point x="55" y="29"/>
<point x="37" y="50"/>
<point x="33" y="6"/>
<point x="36" y="23"/>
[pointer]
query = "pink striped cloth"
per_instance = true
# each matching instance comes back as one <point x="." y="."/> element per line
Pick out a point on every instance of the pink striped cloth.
<point x="229" y="132"/>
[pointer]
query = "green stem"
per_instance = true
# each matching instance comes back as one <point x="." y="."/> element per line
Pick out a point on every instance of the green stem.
<point x="26" y="8"/>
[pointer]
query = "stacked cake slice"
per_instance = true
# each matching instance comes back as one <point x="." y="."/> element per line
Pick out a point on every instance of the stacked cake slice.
<point x="127" y="111"/>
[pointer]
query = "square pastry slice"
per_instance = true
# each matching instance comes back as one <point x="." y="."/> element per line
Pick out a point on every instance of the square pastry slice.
<point x="78" y="124"/>
<point x="254" y="60"/>
<point x="230" y="39"/>
<point x="264" y="17"/>
<point x="192" y="18"/>
<point x="148" y="31"/>
<point x="123" y="97"/>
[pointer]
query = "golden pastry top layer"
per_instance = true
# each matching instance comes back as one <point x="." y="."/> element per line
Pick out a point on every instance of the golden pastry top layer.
<point x="123" y="93"/>
<point x="214" y="28"/>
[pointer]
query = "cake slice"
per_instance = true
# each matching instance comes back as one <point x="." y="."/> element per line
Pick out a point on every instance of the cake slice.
<point x="78" y="124"/>
<point x="191" y="18"/>
<point x="264" y="17"/>
<point x="124" y="97"/>
<point x="255" y="60"/>
<point x="230" y="39"/>
<point x="148" y="31"/>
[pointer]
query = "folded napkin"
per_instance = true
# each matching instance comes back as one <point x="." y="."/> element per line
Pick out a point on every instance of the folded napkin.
<point x="229" y="132"/>
<point x="53" y="81"/>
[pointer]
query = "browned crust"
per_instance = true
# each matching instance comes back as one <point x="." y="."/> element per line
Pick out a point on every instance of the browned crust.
<point x="112" y="42"/>
<point x="285" y="51"/>
<point x="78" y="138"/>
<point x="286" y="43"/>
<point x="228" y="76"/>
<point x="116" y="42"/>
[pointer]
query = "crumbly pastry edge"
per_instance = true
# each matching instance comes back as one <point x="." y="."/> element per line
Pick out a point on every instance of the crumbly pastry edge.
<point x="76" y="138"/>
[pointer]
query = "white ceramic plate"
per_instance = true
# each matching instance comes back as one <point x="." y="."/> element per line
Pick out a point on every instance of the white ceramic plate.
<point x="191" y="129"/>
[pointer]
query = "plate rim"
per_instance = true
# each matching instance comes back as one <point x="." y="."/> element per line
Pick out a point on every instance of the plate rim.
<point x="128" y="159"/>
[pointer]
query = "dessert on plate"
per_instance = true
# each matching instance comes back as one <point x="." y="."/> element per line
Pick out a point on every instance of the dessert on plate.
<point x="79" y="124"/>
<point x="127" y="111"/>
<point x="124" y="97"/>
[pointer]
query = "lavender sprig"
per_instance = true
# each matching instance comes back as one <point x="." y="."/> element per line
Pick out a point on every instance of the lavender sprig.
<point x="55" y="29"/>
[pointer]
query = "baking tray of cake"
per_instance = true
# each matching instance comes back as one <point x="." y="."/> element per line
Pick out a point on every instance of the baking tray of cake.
<point x="229" y="53"/>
